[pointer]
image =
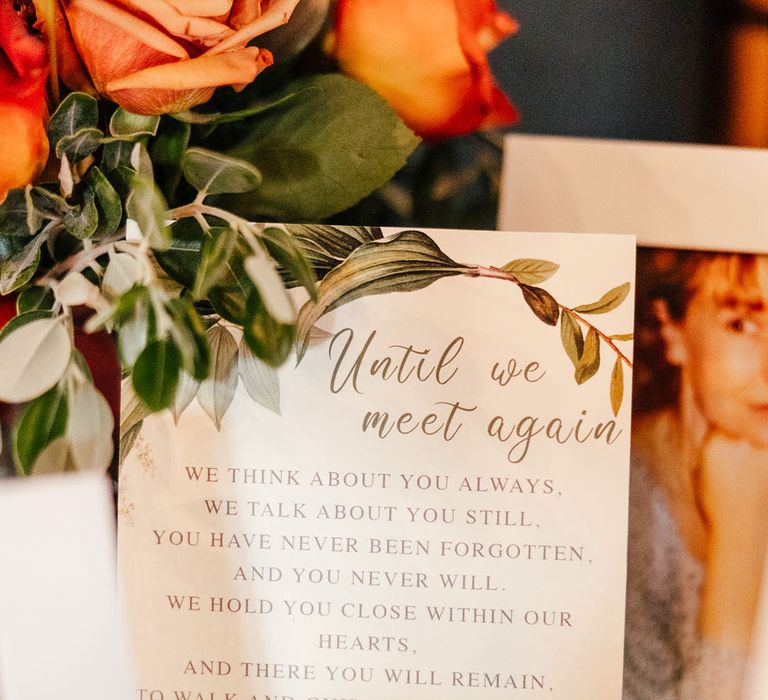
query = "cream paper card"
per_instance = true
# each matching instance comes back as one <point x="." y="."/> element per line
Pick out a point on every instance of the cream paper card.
<point x="667" y="194"/>
<point x="437" y="511"/>
<point x="61" y="633"/>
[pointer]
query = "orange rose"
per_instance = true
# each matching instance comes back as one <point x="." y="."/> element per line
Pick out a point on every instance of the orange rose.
<point x="158" y="56"/>
<point x="23" y="74"/>
<point x="427" y="58"/>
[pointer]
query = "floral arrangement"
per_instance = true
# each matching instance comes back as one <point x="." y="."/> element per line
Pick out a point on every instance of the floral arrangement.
<point x="148" y="144"/>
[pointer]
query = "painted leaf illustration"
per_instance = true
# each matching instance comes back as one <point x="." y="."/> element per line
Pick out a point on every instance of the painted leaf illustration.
<point x="403" y="262"/>
<point x="216" y="392"/>
<point x="542" y="303"/>
<point x="617" y="386"/>
<point x="327" y="246"/>
<point x="590" y="358"/>
<point x="259" y="379"/>
<point x="530" y="270"/>
<point x="623" y="336"/>
<point x="572" y="337"/>
<point x="609" y="301"/>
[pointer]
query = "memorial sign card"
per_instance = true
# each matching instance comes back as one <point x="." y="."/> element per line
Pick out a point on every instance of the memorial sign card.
<point x="431" y="503"/>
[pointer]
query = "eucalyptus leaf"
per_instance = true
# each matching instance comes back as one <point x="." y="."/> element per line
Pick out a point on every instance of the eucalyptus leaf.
<point x="182" y="257"/>
<point x="146" y="205"/>
<point x="571" y="337"/>
<point x="128" y="125"/>
<point x="81" y="221"/>
<point x="89" y="428"/>
<point x="542" y="303"/>
<point x="76" y="111"/>
<point x="321" y="153"/>
<point x="590" y="358"/>
<point x="263" y="274"/>
<point x="121" y="274"/>
<point x="403" y="262"/>
<point x="213" y="173"/>
<point x="269" y="339"/>
<point x="617" y="386"/>
<point x="19" y="268"/>
<point x="13" y="215"/>
<point x="156" y="374"/>
<point x="43" y="420"/>
<point x="259" y="379"/>
<point x="80" y="144"/>
<point x="531" y="270"/>
<point x="188" y="333"/>
<point x="229" y="296"/>
<point x="215" y="252"/>
<point x="609" y="301"/>
<point x="108" y="203"/>
<point x="32" y="359"/>
<point x="216" y="393"/>
<point x="116" y="154"/>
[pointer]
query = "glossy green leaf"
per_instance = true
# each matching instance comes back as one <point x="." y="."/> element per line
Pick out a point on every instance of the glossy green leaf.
<point x="530" y="270"/>
<point x="329" y="147"/>
<point x="270" y="340"/>
<point x="609" y="301"/>
<point x="402" y="262"/>
<point x="156" y="374"/>
<point x="215" y="252"/>
<point x="214" y="173"/>
<point x="262" y="272"/>
<point x="43" y="420"/>
<point x="34" y="299"/>
<point x="542" y="303"/>
<point x="188" y="334"/>
<point x="590" y="358"/>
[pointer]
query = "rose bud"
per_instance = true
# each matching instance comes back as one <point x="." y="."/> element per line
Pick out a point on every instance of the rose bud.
<point x="23" y="111"/>
<point x="427" y="59"/>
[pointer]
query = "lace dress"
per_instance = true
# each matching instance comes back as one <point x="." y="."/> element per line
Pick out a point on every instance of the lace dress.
<point x="664" y="656"/>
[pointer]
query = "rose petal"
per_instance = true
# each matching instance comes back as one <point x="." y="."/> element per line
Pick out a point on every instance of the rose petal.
<point x="277" y="14"/>
<point x="23" y="144"/>
<point x="174" y="87"/>
<point x="190" y="27"/>
<point x="203" y="8"/>
<point x="244" y="12"/>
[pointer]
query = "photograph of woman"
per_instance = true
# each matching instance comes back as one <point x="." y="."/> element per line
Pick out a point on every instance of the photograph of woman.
<point x="698" y="522"/>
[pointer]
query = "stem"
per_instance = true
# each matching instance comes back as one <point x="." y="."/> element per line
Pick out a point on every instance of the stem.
<point x="499" y="274"/>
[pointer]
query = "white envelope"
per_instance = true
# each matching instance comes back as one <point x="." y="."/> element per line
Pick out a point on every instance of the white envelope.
<point x="60" y="629"/>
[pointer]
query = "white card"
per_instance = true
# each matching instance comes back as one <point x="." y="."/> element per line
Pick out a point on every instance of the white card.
<point x="302" y="556"/>
<point x="666" y="194"/>
<point x="60" y="629"/>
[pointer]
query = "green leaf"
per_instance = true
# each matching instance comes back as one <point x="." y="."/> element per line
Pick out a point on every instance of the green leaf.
<point x="542" y="303"/>
<point x="34" y="299"/>
<point x="214" y="173"/>
<point x="609" y="301"/>
<point x="617" y="387"/>
<point x="262" y="272"/>
<point x="116" y="154"/>
<point x="32" y="359"/>
<point x="19" y="268"/>
<point x="89" y="428"/>
<point x="230" y="295"/>
<point x="41" y="422"/>
<point x="13" y="215"/>
<point x="22" y="318"/>
<point x="215" y="252"/>
<point x="259" y="379"/>
<point x="80" y="144"/>
<point x="216" y="393"/>
<point x="77" y="111"/>
<point x="81" y="221"/>
<point x="125" y="124"/>
<point x="270" y="340"/>
<point x="121" y="274"/>
<point x="402" y="262"/>
<point x="108" y="204"/>
<point x="188" y="333"/>
<point x="215" y="118"/>
<point x="571" y="337"/>
<point x="156" y="374"/>
<point x="324" y="151"/>
<point x="46" y="204"/>
<point x="590" y="358"/>
<point x="182" y="257"/>
<point x="146" y="205"/>
<point x="530" y="270"/>
<point x="289" y="256"/>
